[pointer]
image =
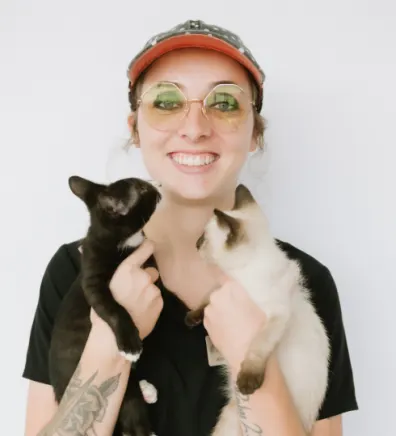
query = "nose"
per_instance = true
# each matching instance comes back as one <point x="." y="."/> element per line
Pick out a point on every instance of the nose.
<point x="195" y="125"/>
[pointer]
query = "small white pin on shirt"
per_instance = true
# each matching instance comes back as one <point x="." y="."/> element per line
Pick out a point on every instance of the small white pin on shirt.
<point x="214" y="356"/>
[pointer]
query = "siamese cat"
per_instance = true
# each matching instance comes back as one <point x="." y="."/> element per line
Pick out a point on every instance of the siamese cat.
<point x="240" y="243"/>
<point x="118" y="213"/>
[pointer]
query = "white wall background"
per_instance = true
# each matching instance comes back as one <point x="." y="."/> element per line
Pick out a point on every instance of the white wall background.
<point x="329" y="185"/>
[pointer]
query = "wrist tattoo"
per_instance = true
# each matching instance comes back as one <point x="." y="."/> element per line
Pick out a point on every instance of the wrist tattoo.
<point x="248" y="428"/>
<point x="83" y="404"/>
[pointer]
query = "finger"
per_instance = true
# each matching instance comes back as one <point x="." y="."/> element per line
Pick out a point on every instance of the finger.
<point x="205" y="322"/>
<point x="215" y="296"/>
<point x="140" y="255"/>
<point x="207" y="312"/>
<point x="140" y="279"/>
<point x="151" y="292"/>
<point x="149" y="296"/>
<point x="153" y="273"/>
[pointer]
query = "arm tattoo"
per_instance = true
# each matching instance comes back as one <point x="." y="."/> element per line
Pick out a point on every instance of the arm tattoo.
<point x="248" y="428"/>
<point x="83" y="404"/>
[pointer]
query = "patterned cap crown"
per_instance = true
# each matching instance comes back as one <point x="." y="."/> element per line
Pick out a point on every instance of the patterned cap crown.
<point x="198" y="27"/>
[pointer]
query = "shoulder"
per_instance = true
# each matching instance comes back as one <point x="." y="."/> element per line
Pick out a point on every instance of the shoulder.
<point x="60" y="273"/>
<point x="318" y="278"/>
<point x="67" y="253"/>
<point x="321" y="286"/>
<point x="61" y="270"/>
<point x="340" y="395"/>
<point x="309" y="264"/>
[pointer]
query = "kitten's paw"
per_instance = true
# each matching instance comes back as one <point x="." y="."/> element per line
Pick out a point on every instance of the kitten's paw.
<point x="130" y="345"/>
<point x="132" y="357"/>
<point x="194" y="318"/>
<point x="149" y="392"/>
<point x="249" y="381"/>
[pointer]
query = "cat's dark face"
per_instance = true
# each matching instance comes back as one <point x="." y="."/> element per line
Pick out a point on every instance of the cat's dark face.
<point x="122" y="207"/>
<point x="230" y="235"/>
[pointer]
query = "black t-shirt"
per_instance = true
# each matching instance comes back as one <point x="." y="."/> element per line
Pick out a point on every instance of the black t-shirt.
<point x="174" y="358"/>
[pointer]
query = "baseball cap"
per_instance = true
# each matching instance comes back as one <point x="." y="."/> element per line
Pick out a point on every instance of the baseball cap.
<point x="197" y="33"/>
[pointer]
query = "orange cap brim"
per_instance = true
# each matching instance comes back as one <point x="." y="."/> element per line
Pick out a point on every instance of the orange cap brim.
<point x="190" y="40"/>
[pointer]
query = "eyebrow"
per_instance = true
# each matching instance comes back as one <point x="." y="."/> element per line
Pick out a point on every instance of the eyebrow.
<point x="210" y="85"/>
<point x="223" y="82"/>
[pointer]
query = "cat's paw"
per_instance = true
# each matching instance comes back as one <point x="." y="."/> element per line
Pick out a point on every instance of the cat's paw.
<point x="249" y="381"/>
<point x="149" y="392"/>
<point x="194" y="317"/>
<point x="132" y="357"/>
<point x="130" y="345"/>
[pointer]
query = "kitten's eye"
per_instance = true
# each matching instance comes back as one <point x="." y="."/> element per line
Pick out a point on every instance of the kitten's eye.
<point x="113" y="206"/>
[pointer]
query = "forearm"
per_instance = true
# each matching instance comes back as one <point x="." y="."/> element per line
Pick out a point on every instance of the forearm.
<point x="92" y="400"/>
<point x="270" y="410"/>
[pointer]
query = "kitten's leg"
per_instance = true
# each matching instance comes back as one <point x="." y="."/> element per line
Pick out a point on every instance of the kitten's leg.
<point x="133" y="417"/>
<point x="119" y="320"/>
<point x="228" y="423"/>
<point x="251" y="374"/>
<point x="195" y="317"/>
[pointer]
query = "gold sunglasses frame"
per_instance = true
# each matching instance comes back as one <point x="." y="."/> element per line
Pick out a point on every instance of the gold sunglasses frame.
<point x="194" y="100"/>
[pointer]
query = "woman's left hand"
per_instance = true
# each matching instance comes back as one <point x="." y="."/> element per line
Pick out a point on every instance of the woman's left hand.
<point x="232" y="319"/>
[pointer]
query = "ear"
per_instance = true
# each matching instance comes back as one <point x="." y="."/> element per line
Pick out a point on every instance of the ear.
<point x="243" y="197"/>
<point x="132" y="124"/>
<point x="80" y="186"/>
<point x="233" y="225"/>
<point x="84" y="189"/>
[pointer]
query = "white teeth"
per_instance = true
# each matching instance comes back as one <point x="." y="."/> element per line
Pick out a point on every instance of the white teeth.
<point x="193" y="160"/>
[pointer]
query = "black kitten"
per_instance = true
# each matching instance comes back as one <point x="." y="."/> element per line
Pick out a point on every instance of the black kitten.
<point x="118" y="213"/>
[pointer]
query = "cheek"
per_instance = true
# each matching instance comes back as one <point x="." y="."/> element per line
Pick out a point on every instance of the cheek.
<point x="152" y="145"/>
<point x="236" y="150"/>
<point x="150" y="138"/>
<point x="239" y="142"/>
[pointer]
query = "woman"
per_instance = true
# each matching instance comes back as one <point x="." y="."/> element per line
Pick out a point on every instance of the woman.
<point x="196" y="155"/>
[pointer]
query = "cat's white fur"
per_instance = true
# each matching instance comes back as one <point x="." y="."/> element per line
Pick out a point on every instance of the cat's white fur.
<point x="293" y="329"/>
<point x="134" y="240"/>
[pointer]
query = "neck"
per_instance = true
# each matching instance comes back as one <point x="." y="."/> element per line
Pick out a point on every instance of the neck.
<point x="178" y="223"/>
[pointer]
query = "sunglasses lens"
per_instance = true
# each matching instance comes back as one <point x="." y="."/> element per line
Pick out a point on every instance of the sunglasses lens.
<point x="164" y="106"/>
<point x="227" y="107"/>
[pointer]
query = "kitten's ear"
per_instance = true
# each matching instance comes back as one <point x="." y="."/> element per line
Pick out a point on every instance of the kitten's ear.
<point x="83" y="188"/>
<point x="233" y="225"/>
<point x="243" y="197"/>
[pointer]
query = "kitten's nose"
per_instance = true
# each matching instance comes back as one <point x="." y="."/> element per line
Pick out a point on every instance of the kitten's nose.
<point x="142" y="187"/>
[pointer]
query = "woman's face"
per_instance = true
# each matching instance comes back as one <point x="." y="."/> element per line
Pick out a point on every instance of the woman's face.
<point x="179" y="158"/>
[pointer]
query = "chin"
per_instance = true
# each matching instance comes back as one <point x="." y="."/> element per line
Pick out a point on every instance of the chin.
<point x="191" y="191"/>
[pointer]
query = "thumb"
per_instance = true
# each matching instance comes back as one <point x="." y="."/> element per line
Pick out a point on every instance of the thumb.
<point x="153" y="273"/>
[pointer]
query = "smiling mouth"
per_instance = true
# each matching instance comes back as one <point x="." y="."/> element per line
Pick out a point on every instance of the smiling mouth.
<point x="194" y="159"/>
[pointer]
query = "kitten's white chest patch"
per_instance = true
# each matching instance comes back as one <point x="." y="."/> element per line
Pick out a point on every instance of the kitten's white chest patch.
<point x="134" y="240"/>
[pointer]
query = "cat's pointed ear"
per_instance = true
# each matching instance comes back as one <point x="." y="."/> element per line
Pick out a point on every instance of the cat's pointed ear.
<point x="223" y="219"/>
<point x="83" y="188"/>
<point x="232" y="225"/>
<point x="243" y="197"/>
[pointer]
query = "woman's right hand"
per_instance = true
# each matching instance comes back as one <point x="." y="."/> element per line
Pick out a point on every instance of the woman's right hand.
<point x="133" y="287"/>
